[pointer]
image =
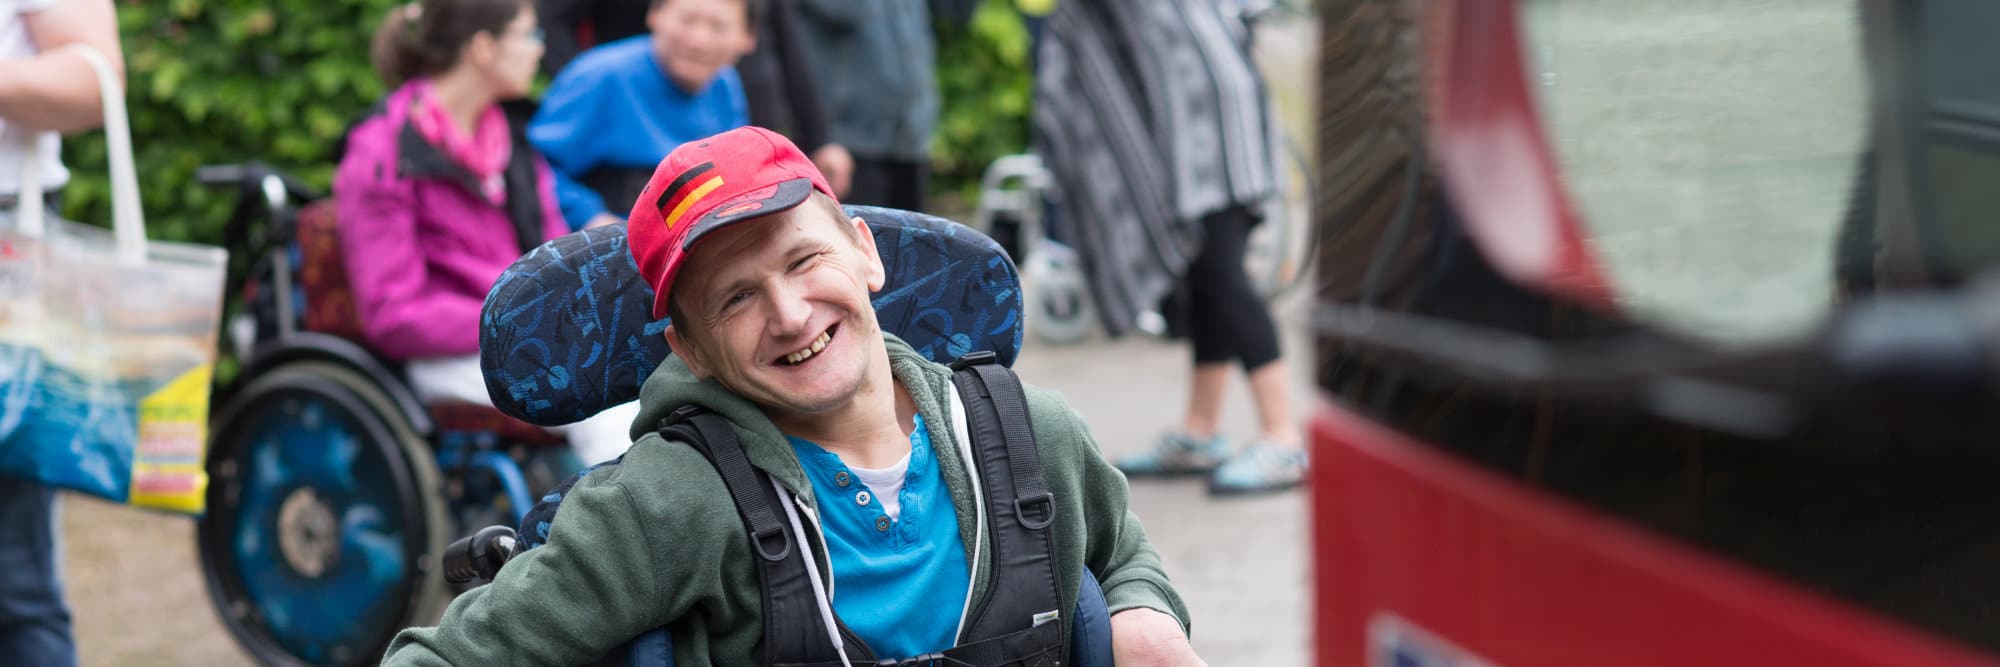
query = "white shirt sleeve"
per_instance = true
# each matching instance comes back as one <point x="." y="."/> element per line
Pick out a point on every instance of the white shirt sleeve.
<point x="27" y="6"/>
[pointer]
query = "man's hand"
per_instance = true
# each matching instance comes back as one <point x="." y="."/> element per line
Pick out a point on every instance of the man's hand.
<point x="601" y="220"/>
<point x="834" y="161"/>
<point x="1148" y="637"/>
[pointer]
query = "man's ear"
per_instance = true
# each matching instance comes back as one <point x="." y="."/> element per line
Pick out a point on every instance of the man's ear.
<point x="655" y="17"/>
<point x="686" y="351"/>
<point x="877" y="275"/>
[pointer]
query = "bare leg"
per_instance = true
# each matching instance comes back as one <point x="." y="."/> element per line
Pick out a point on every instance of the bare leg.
<point x="1275" y="461"/>
<point x="1197" y="447"/>
<point x="1270" y="387"/>
<point x="1204" y="410"/>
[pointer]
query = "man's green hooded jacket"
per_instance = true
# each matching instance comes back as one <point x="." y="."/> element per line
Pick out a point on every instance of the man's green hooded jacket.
<point x="654" y="539"/>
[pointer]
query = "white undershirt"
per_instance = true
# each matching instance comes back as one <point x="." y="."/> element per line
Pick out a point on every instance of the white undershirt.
<point x="886" y="484"/>
<point x="14" y="43"/>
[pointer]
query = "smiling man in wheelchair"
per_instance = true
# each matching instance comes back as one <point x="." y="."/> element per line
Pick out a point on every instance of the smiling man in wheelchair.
<point x="808" y="489"/>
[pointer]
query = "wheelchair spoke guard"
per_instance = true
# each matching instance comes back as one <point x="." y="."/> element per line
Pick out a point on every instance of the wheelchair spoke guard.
<point x="324" y="518"/>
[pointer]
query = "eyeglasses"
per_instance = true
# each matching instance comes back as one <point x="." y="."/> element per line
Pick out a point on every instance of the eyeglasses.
<point x="532" y="35"/>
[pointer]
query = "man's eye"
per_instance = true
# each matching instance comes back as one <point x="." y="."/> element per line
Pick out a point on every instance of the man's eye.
<point x="736" y="298"/>
<point x="803" y="261"/>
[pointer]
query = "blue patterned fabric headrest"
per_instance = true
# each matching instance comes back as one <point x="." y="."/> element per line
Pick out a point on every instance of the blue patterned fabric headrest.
<point x="567" y="332"/>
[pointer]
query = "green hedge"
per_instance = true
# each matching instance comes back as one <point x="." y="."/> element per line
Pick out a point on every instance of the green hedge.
<point x="986" y="89"/>
<point x="218" y="81"/>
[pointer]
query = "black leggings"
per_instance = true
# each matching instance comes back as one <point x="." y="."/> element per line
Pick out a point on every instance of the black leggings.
<point x="1227" y="319"/>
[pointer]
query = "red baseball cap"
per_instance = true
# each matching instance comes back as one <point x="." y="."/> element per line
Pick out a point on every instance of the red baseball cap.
<point x="710" y="183"/>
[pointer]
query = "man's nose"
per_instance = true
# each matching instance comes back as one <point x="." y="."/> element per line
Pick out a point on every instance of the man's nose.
<point x="789" y="310"/>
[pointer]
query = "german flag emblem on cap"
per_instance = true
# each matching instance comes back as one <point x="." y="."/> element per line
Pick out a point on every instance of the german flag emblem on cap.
<point x="678" y="197"/>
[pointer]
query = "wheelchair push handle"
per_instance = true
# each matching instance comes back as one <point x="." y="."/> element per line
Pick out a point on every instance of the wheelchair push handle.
<point x="256" y="183"/>
<point x="252" y="174"/>
<point x="480" y="556"/>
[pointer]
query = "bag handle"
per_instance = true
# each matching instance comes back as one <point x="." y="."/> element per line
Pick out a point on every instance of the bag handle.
<point x="128" y="221"/>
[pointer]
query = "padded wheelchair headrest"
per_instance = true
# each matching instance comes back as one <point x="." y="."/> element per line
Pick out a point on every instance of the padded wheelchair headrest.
<point x="567" y="330"/>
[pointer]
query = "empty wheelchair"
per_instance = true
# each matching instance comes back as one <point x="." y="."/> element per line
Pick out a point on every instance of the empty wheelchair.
<point x="332" y="488"/>
<point x="568" y="332"/>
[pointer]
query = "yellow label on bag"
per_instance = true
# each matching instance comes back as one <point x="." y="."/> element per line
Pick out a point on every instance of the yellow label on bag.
<point x="167" y="469"/>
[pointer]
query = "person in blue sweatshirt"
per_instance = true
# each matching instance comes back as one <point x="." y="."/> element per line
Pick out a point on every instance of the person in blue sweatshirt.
<point x="619" y="108"/>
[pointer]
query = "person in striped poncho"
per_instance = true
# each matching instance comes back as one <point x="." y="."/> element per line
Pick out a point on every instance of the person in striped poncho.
<point x="1154" y="121"/>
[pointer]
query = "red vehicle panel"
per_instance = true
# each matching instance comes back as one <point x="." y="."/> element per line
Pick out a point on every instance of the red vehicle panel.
<point x="1452" y="566"/>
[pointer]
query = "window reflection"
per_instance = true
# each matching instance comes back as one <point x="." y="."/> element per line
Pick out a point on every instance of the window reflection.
<point x="1710" y="147"/>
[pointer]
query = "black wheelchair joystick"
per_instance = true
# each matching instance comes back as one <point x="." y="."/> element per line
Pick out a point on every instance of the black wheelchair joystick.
<point x="480" y="556"/>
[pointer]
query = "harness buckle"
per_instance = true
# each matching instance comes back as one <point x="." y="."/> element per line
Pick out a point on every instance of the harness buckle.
<point x="684" y="413"/>
<point x="925" y="660"/>
<point x="773" y="538"/>
<point x="971" y="359"/>
<point x="1044" y="506"/>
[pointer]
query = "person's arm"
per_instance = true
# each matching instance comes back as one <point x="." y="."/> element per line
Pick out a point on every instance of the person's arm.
<point x="597" y="583"/>
<point x="402" y="314"/>
<point x="786" y="37"/>
<point x="581" y="206"/>
<point x="566" y="132"/>
<point x="1118" y="551"/>
<point x="56" y="89"/>
<point x="801" y="81"/>
<point x="1141" y="637"/>
<point x="837" y="165"/>
<point x="559" y="20"/>
<point x="1149" y="622"/>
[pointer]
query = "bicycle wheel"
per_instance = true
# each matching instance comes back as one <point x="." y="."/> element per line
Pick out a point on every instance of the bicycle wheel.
<point x="1279" y="252"/>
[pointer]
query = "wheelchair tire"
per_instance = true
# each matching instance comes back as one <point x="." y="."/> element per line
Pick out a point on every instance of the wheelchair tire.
<point x="325" y="519"/>
<point x="1057" y="295"/>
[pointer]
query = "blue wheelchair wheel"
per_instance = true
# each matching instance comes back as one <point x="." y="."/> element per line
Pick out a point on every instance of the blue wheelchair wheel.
<point x="324" y="521"/>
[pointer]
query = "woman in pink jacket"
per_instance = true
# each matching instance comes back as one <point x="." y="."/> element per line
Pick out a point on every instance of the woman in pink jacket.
<point x="439" y="191"/>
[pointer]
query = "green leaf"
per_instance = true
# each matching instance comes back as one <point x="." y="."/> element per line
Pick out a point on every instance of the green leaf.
<point x="260" y="21"/>
<point x="214" y="81"/>
<point x="986" y="91"/>
<point x="167" y="78"/>
<point x="326" y="76"/>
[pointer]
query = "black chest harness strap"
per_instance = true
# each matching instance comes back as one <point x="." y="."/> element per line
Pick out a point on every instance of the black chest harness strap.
<point x="1017" y="624"/>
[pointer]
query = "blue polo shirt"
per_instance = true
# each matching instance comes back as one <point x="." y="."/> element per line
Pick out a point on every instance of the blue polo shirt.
<point x="899" y="584"/>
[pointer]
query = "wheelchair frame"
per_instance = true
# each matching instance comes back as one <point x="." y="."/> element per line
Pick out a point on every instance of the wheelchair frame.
<point x="267" y="563"/>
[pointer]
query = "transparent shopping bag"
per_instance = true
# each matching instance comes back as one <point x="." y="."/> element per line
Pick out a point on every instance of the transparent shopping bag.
<point x="107" y="345"/>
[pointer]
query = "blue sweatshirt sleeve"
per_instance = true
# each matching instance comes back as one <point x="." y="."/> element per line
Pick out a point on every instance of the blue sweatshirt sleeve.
<point x="579" y="203"/>
<point x="739" y="99"/>
<point x="561" y="130"/>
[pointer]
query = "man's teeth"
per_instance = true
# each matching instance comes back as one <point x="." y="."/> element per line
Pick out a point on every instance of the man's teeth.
<point x="800" y="356"/>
